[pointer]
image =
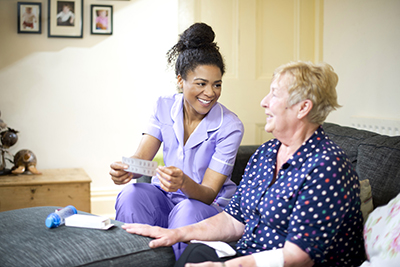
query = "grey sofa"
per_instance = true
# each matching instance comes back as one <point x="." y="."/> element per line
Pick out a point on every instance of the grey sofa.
<point x="25" y="240"/>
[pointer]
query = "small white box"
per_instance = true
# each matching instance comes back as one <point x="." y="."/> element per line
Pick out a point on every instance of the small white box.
<point x="88" y="221"/>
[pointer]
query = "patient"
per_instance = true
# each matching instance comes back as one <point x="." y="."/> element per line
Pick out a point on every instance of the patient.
<point x="298" y="202"/>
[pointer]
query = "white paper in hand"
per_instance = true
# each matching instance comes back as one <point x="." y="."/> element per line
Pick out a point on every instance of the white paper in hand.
<point x="140" y="166"/>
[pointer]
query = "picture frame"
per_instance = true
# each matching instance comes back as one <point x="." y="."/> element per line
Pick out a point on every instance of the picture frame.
<point x="101" y="19"/>
<point x="29" y="17"/>
<point x="65" y="18"/>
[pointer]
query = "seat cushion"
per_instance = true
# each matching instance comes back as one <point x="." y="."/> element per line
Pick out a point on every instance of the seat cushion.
<point x="26" y="241"/>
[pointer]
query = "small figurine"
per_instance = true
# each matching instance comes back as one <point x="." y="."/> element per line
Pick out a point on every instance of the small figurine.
<point x="25" y="160"/>
<point x="9" y="137"/>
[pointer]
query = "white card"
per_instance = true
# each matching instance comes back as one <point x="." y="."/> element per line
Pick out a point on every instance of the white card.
<point x="88" y="221"/>
<point x="140" y="166"/>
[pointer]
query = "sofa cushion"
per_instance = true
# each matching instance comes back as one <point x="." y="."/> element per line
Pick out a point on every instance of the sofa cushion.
<point x="26" y="241"/>
<point x="379" y="161"/>
<point x="347" y="138"/>
<point x="366" y="199"/>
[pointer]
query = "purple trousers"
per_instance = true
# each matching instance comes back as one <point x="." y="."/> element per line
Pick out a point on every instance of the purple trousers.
<point x="149" y="204"/>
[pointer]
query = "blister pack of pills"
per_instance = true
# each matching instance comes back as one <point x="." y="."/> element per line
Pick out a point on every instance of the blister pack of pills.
<point x="140" y="166"/>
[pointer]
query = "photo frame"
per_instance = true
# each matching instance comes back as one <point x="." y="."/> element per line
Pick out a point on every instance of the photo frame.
<point x="29" y="17"/>
<point x="65" y="18"/>
<point x="101" y="19"/>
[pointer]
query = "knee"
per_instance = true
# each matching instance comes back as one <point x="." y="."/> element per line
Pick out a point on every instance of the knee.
<point x="133" y="193"/>
<point x="190" y="211"/>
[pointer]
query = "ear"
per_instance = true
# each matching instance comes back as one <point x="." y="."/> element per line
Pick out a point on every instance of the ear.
<point x="180" y="82"/>
<point x="304" y="108"/>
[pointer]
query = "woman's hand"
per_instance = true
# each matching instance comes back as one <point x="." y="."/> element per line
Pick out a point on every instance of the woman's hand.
<point x="118" y="173"/>
<point x="162" y="237"/>
<point x="171" y="178"/>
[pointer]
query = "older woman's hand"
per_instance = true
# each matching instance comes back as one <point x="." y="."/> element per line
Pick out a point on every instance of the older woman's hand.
<point x="162" y="237"/>
<point x="118" y="173"/>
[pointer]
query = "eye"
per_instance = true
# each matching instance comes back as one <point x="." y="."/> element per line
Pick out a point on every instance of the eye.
<point x="218" y="85"/>
<point x="201" y="84"/>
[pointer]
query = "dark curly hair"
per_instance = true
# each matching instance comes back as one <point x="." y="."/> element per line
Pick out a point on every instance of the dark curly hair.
<point x="195" y="47"/>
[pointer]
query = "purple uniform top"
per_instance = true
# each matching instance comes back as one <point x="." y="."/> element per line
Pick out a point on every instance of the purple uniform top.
<point x="213" y="144"/>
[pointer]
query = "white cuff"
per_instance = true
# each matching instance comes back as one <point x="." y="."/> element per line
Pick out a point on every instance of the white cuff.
<point x="269" y="258"/>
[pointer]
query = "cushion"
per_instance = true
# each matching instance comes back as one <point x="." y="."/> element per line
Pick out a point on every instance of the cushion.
<point x="382" y="235"/>
<point x="347" y="138"/>
<point x="26" y="241"/>
<point x="378" y="161"/>
<point x="366" y="199"/>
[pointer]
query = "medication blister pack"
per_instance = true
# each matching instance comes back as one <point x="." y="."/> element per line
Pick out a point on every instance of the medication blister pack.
<point x="140" y="166"/>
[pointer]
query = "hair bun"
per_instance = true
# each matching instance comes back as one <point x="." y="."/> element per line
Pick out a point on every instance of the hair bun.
<point x="197" y="35"/>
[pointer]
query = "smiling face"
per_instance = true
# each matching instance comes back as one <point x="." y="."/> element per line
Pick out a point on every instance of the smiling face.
<point x="201" y="90"/>
<point x="280" y="117"/>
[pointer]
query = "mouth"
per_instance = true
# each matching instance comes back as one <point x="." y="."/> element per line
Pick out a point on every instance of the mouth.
<point x="205" y="102"/>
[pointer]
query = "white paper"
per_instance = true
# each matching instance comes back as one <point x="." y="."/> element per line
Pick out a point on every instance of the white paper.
<point x="88" y="221"/>
<point x="140" y="166"/>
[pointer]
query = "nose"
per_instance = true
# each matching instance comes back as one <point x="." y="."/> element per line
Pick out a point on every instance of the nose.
<point x="265" y="101"/>
<point x="209" y="91"/>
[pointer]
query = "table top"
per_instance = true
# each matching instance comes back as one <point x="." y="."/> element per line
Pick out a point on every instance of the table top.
<point x="48" y="176"/>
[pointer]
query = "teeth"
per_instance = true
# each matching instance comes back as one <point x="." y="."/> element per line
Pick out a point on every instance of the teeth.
<point x="204" y="101"/>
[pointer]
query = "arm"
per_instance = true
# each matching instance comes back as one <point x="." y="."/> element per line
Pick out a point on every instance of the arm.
<point x="290" y="256"/>
<point x="147" y="149"/>
<point x="173" y="178"/>
<point x="221" y="227"/>
<point x="219" y="166"/>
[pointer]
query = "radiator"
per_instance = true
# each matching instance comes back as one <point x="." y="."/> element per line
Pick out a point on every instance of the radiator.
<point x="382" y="126"/>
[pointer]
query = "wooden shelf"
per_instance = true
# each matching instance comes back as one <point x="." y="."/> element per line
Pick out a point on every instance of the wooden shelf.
<point x="54" y="187"/>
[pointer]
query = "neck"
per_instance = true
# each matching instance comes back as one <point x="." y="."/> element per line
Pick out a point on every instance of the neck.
<point x="295" y="140"/>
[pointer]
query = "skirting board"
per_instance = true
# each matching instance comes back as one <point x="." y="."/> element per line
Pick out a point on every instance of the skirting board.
<point x="103" y="201"/>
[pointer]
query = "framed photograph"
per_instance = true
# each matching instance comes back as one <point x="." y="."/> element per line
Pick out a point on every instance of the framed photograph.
<point x="101" y="19"/>
<point x="29" y="17"/>
<point x="65" y="18"/>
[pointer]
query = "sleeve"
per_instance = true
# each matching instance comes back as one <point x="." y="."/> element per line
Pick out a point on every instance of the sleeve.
<point x="323" y="204"/>
<point x="228" y="143"/>
<point x="154" y="125"/>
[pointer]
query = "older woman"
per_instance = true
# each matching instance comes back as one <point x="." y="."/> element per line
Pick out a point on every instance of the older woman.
<point x="298" y="202"/>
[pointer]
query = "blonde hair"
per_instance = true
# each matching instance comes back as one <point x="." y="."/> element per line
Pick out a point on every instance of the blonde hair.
<point x="316" y="82"/>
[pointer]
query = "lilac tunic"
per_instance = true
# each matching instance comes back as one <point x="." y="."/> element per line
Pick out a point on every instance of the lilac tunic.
<point x="213" y="144"/>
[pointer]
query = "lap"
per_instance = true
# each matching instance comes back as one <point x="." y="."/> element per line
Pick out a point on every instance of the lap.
<point x="197" y="253"/>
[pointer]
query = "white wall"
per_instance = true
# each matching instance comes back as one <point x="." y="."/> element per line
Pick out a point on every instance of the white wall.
<point x="362" y="43"/>
<point x="84" y="102"/>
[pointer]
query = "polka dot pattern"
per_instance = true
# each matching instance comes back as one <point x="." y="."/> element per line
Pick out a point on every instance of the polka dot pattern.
<point x="314" y="203"/>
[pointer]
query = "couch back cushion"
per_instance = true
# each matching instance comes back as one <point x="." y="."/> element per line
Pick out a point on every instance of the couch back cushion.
<point x="379" y="161"/>
<point x="375" y="157"/>
<point x="347" y="138"/>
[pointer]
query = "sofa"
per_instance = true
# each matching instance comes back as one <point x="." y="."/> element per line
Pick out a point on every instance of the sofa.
<point x="25" y="240"/>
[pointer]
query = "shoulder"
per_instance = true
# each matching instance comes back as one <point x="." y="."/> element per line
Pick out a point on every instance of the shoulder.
<point x="168" y="100"/>
<point x="229" y="117"/>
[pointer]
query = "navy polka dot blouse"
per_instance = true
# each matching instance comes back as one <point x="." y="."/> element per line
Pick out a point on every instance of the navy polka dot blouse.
<point x="314" y="203"/>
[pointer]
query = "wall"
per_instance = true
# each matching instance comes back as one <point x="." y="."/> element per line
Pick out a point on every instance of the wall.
<point x="85" y="102"/>
<point x="361" y="42"/>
